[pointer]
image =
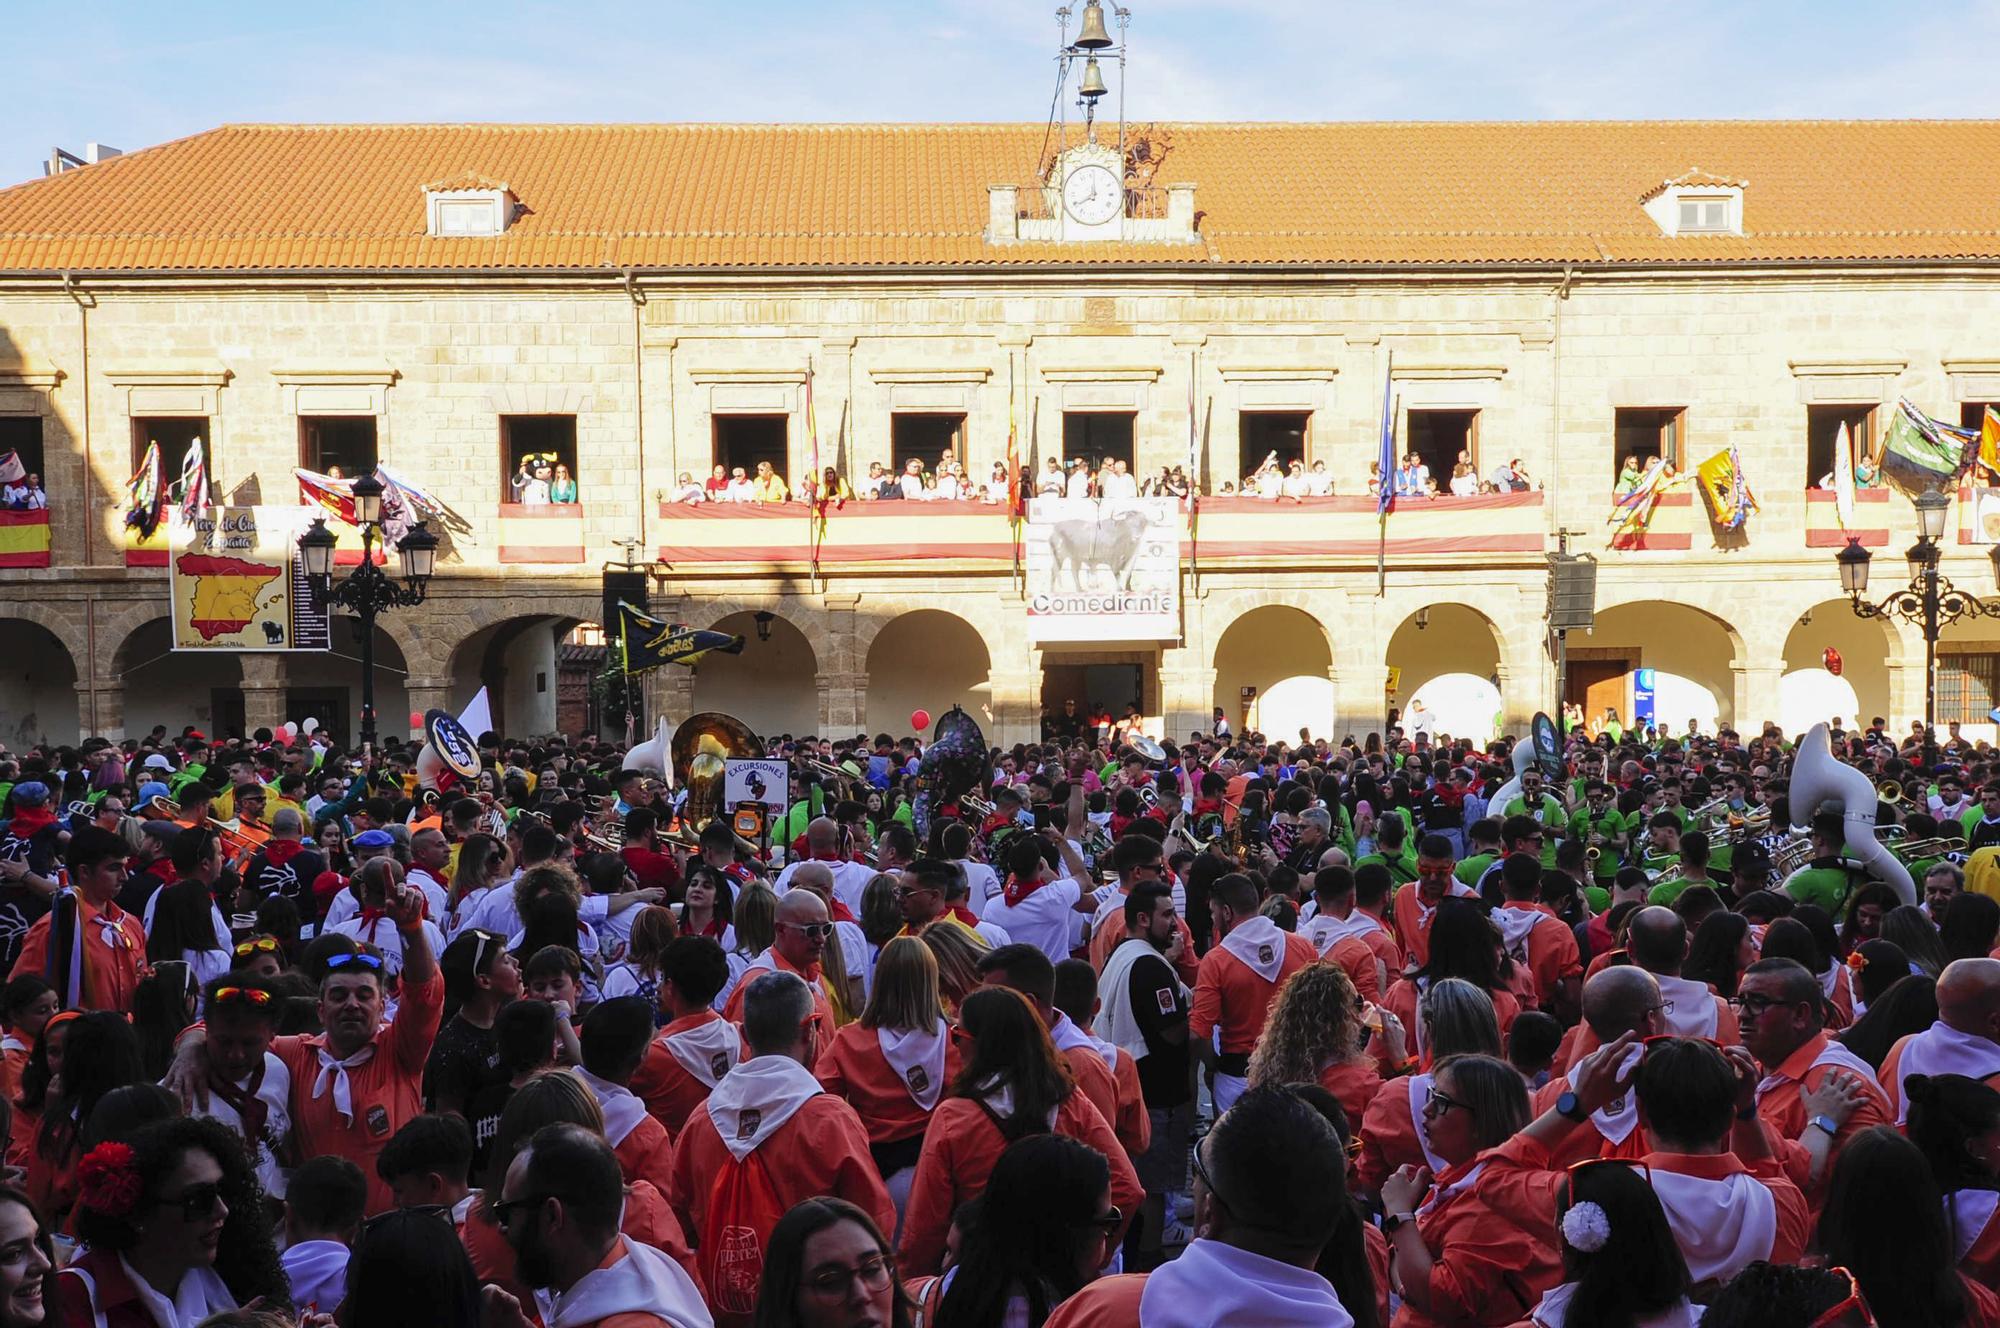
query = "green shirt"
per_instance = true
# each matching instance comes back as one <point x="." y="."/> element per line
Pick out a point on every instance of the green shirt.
<point x="1609" y="827"/>
<point x="1550" y="814"/>
<point x="1469" y="870"/>
<point x="1402" y="870"/>
<point x="1666" y="892"/>
<point x="1824" y="886"/>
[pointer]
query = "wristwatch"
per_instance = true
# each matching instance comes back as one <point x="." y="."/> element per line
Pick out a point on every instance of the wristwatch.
<point x="1390" y="1221"/>
<point x="1825" y="1123"/>
<point x="1570" y="1106"/>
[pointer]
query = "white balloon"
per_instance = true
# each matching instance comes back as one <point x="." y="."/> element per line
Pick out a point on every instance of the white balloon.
<point x="291" y="729"/>
<point x="311" y="726"/>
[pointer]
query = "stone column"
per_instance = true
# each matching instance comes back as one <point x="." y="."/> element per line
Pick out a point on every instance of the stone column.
<point x="1906" y="692"/>
<point x="1360" y="699"/>
<point x="843" y="703"/>
<point x="1755" y="687"/>
<point x="669" y="695"/>
<point x="263" y="691"/>
<point x="843" y="674"/>
<point x="1017" y="705"/>
<point x="109" y="694"/>
<point x="1187" y="694"/>
<point x="425" y="693"/>
<point x="1521" y="696"/>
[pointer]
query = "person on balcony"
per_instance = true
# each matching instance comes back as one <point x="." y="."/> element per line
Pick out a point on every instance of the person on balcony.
<point x="1078" y="484"/>
<point x="1319" y="484"/>
<point x="740" y="489"/>
<point x="717" y="484"/>
<point x="1051" y="484"/>
<point x="912" y="481"/>
<point x="24" y="495"/>
<point x="1629" y="475"/>
<point x="832" y="489"/>
<point x="950" y="486"/>
<point x="1119" y="481"/>
<point x="1296" y="484"/>
<point x="689" y="491"/>
<point x="770" y="486"/>
<point x="562" y="489"/>
<point x="1464" y="484"/>
<point x="531" y="481"/>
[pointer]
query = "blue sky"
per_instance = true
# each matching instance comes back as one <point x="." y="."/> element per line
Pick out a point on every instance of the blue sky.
<point x="133" y="74"/>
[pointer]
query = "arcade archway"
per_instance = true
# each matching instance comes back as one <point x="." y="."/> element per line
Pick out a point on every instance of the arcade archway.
<point x="1273" y="671"/>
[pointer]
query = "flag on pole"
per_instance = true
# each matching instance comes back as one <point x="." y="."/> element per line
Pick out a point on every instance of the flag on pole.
<point x="1385" y="460"/>
<point x="143" y="494"/>
<point x="813" y="490"/>
<point x="1923" y="452"/>
<point x="1843" y="477"/>
<point x="1989" y="447"/>
<point x="11" y="469"/>
<point x="194" y="498"/>
<point x="1729" y="498"/>
<point x="1017" y="506"/>
<point x="1632" y="511"/>
<point x="1193" y="474"/>
<point x="645" y="642"/>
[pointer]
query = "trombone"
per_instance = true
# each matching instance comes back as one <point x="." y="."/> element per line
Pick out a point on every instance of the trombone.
<point x="1889" y="791"/>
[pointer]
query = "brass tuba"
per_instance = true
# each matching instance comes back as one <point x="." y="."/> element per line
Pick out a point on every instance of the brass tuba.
<point x="701" y="745"/>
<point x="953" y="765"/>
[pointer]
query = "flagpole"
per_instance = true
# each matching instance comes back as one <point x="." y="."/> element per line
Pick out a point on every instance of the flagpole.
<point x="1382" y="514"/>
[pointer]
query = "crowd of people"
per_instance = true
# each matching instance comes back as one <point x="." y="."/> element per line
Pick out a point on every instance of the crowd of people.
<point x="1392" y="1033"/>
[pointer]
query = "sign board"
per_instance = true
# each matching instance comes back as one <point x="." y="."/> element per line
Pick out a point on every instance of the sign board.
<point x="1103" y="570"/>
<point x="458" y="748"/>
<point x="236" y="582"/>
<point x="1642" y="698"/>
<point x="1393" y="683"/>
<point x="766" y="783"/>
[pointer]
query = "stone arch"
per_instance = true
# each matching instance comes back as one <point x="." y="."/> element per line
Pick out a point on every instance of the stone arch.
<point x="773" y="686"/>
<point x="38" y="697"/>
<point x="1809" y="692"/>
<point x="177" y="688"/>
<point x="519" y="658"/>
<point x="1447" y="657"/>
<point x="928" y="659"/>
<point x="326" y="685"/>
<point x="1693" y="655"/>
<point x="1283" y="652"/>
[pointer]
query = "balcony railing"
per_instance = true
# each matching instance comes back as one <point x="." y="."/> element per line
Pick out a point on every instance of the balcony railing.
<point x="24" y="538"/>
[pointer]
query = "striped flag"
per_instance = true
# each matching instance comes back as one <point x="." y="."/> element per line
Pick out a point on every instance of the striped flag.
<point x="1843" y="477"/>
<point x="1386" y="453"/>
<point x="193" y="483"/>
<point x="812" y="490"/>
<point x="143" y="494"/>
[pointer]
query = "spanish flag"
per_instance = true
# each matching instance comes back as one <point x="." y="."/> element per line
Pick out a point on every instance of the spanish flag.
<point x="24" y="538"/>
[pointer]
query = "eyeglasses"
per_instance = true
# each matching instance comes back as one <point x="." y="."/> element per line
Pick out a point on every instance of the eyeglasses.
<point x="1109" y="1222"/>
<point x="373" y="963"/>
<point x="1436" y="1104"/>
<point x="816" y="930"/>
<point x="1854" y="1301"/>
<point x="1201" y="1174"/>
<point x="831" y="1284"/>
<point x="1753" y="1005"/>
<point x="263" y="945"/>
<point x="243" y="995"/>
<point x="902" y="892"/>
<point x="505" y="1210"/>
<point x="195" y="1202"/>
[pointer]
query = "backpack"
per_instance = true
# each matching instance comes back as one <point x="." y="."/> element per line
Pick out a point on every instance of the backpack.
<point x="743" y="1206"/>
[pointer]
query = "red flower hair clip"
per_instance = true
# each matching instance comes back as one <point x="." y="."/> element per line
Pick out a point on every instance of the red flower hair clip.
<point x="107" y="1180"/>
<point x="1856" y="960"/>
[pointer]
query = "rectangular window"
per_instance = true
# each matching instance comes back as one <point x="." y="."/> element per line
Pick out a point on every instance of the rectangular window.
<point x="175" y="434"/>
<point x="1259" y="433"/>
<point x="471" y="216"/>
<point x="1968" y="687"/>
<point x="1442" y="441"/>
<point x="1645" y="433"/>
<point x="1972" y="414"/>
<point x="538" y="453"/>
<point x="925" y="438"/>
<point x="1823" y="424"/>
<point x="1098" y="436"/>
<point x="1703" y="214"/>
<point x="23" y="434"/>
<point x="338" y="445"/>
<point x="741" y="441"/>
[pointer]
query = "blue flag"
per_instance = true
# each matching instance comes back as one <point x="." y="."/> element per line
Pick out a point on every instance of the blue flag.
<point x="1387" y="463"/>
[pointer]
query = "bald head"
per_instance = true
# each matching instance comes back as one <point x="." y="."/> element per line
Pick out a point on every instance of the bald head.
<point x="1968" y="997"/>
<point x="822" y="835"/>
<point x="1620" y="1000"/>
<point x="1657" y="940"/>
<point x="804" y="907"/>
<point x="1334" y="857"/>
<point x="816" y="877"/>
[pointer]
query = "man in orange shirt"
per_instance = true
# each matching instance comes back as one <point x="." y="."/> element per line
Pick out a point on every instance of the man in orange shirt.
<point x="1416" y="903"/>
<point x="804" y="928"/>
<point x="560" y="1209"/>
<point x="1351" y="936"/>
<point x="767" y="1137"/>
<point x="1537" y="939"/>
<point x="1964" y="1040"/>
<point x="354" y="1085"/>
<point x="1236" y="983"/>
<point x="1780" y="1009"/>
<point x="613" y="1041"/>
<point x="113" y="942"/>
<point x="698" y="1046"/>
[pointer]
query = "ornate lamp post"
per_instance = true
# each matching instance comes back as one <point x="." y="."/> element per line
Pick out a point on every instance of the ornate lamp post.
<point x="1929" y="602"/>
<point x="367" y="591"/>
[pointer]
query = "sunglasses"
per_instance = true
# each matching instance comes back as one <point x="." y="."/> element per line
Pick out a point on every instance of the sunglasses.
<point x="505" y="1211"/>
<point x="241" y="995"/>
<point x="373" y="963"/>
<point x="482" y="940"/>
<point x="816" y="930"/>
<point x="263" y="945"/>
<point x="195" y="1202"/>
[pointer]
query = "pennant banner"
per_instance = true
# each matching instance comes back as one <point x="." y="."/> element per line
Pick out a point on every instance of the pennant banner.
<point x="11" y="469"/>
<point x="1730" y="501"/>
<point x="1923" y="453"/>
<point x="645" y="642"/>
<point x="144" y="493"/>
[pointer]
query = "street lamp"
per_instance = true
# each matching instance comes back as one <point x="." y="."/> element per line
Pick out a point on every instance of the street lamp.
<point x="1929" y="602"/>
<point x="368" y="591"/>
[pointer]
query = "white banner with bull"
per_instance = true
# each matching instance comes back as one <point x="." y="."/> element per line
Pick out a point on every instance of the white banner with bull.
<point x="1103" y="570"/>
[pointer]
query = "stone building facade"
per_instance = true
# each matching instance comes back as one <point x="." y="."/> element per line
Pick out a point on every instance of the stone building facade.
<point x="1546" y="341"/>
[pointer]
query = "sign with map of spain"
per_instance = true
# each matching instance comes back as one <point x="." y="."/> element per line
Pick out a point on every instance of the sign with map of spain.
<point x="236" y="584"/>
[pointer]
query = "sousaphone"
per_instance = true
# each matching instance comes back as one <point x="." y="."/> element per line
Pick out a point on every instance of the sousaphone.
<point x="953" y="765"/>
<point x="701" y="746"/>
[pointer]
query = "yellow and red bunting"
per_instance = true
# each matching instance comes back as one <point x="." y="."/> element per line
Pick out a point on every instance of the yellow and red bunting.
<point x="24" y="539"/>
<point x="1672" y="525"/>
<point x="1233" y="530"/>
<point x="544" y="533"/>
<point x="1871" y="519"/>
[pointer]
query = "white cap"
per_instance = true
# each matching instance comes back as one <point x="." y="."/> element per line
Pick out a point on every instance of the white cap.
<point x="157" y="762"/>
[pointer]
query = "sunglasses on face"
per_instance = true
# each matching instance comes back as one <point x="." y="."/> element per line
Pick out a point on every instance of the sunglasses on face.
<point x="507" y="1210"/>
<point x="815" y="930"/>
<point x="195" y="1202"/>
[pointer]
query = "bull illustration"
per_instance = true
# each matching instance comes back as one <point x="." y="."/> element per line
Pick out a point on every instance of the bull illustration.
<point x="1112" y="545"/>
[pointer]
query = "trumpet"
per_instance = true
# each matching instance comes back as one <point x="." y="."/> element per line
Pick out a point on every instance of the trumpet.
<point x="826" y="770"/>
<point x="978" y="806"/>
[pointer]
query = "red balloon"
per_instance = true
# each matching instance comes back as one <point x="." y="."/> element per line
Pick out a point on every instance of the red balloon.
<point x="416" y="719"/>
<point x="280" y="738"/>
<point x="1831" y="658"/>
<point x="920" y="720"/>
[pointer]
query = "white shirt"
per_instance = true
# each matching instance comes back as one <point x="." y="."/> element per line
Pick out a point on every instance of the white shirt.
<point x="1319" y="484"/>
<point x="1121" y="486"/>
<point x="1297" y="485"/>
<point x="912" y="487"/>
<point x="983" y="882"/>
<point x="1078" y="485"/>
<point x="739" y="491"/>
<point x="276" y="1093"/>
<point x="1042" y="920"/>
<point x="1050" y="485"/>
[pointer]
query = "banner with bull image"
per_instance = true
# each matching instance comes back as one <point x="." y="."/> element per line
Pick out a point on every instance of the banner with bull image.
<point x="1103" y="570"/>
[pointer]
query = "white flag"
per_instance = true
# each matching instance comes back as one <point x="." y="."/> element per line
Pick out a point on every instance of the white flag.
<point x="1843" y="479"/>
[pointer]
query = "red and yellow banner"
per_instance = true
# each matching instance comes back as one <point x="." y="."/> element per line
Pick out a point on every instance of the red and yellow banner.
<point x="1871" y="519"/>
<point x="24" y="538"/>
<point x="543" y="533"/>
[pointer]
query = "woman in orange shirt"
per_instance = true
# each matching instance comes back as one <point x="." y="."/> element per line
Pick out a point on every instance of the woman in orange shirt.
<point x="1462" y="946"/>
<point x="893" y="1063"/>
<point x="28" y="1004"/>
<point x="1314" y="1034"/>
<point x="1457" y="1020"/>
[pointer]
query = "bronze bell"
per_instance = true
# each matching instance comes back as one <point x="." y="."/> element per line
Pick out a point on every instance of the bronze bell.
<point x="1092" y="36"/>
<point x="1093" y="81"/>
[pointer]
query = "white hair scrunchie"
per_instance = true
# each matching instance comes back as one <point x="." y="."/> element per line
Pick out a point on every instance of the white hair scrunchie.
<point x="1586" y="1227"/>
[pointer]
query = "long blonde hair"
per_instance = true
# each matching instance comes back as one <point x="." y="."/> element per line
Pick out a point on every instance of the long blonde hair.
<point x="904" y="997"/>
<point x="1315" y="1022"/>
<point x="957" y="957"/>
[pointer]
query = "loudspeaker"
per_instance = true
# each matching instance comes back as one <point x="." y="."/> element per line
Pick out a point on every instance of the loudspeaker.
<point x="628" y="586"/>
<point x="1572" y="591"/>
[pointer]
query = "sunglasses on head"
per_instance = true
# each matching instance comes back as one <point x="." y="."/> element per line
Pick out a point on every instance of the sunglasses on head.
<point x="262" y="945"/>
<point x="335" y="963"/>
<point x="242" y="995"/>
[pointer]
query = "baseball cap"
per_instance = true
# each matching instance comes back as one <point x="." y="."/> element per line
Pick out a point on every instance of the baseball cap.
<point x="374" y="839"/>
<point x="156" y="762"/>
<point x="32" y="793"/>
<point x="155" y="789"/>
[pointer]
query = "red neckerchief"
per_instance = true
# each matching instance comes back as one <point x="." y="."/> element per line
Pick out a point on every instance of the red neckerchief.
<point x="1119" y="824"/>
<point x="964" y="914"/>
<point x="1207" y="806"/>
<point x="1017" y="890"/>
<point x="278" y="852"/>
<point x="995" y="822"/>
<point x="838" y="911"/>
<point x="715" y="928"/>
<point x="28" y="821"/>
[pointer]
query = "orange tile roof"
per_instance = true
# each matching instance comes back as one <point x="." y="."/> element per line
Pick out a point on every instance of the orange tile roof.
<point x="325" y="197"/>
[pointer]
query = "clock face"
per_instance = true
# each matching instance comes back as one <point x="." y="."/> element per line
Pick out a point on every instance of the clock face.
<point x="1092" y="196"/>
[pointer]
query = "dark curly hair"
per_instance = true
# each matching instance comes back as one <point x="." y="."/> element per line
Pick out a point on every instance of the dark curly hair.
<point x="247" y="1258"/>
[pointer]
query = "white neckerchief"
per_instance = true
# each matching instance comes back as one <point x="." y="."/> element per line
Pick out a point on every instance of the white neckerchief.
<point x="334" y="1071"/>
<point x="1942" y="1049"/>
<point x="1617" y="1120"/>
<point x="200" y="1294"/>
<point x="1117" y="1020"/>
<point x="917" y="1057"/>
<point x="1420" y="1085"/>
<point x="999" y="1097"/>
<point x="757" y="1097"/>
<point x="1694" y="1013"/>
<point x="1554" y="1310"/>
<point x="1258" y="945"/>
<point x="644" y="1282"/>
<point x="707" y="1051"/>
<point x="1720" y="1225"/>
<point x="622" y="1110"/>
<point x="1516" y="925"/>
<point x="1833" y="1053"/>
<point x="1327" y="931"/>
<point x="1969" y="1213"/>
<point x="1442" y="1194"/>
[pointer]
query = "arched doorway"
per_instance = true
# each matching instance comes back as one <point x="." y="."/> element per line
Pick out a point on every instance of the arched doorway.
<point x="1810" y="692"/>
<point x="927" y="660"/>
<point x="1685" y="654"/>
<point x="38" y="703"/>
<point x="773" y="686"/>
<point x="1446" y="659"/>
<point x="178" y="688"/>
<point x="326" y="684"/>
<point x="540" y="673"/>
<point x="1273" y="674"/>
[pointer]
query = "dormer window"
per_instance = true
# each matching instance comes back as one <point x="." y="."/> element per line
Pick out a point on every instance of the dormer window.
<point x="468" y="206"/>
<point x="1696" y="203"/>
